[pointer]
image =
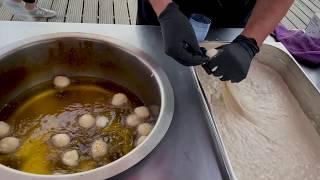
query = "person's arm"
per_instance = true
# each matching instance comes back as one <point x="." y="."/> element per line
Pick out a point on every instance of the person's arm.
<point x="179" y="39"/>
<point x="265" y="17"/>
<point x="159" y="5"/>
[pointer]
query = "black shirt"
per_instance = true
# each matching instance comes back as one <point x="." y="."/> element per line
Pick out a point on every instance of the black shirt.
<point x="223" y="13"/>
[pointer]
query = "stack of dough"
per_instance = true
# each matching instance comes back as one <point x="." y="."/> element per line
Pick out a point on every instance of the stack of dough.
<point x="265" y="131"/>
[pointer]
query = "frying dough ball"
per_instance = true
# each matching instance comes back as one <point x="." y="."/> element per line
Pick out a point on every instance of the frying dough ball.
<point x="60" y="140"/>
<point x="142" y="112"/>
<point x="4" y="129"/>
<point x="9" y="144"/>
<point x="86" y="121"/>
<point x="154" y="110"/>
<point x="102" y="121"/>
<point x="99" y="148"/>
<point x="144" y="129"/>
<point x="140" y="140"/>
<point x="61" y="82"/>
<point x="133" y="120"/>
<point x="70" y="158"/>
<point x="119" y="99"/>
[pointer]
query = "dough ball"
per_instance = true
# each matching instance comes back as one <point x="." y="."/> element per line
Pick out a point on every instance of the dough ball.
<point x="9" y="144"/>
<point x="119" y="99"/>
<point x="102" y="121"/>
<point x="70" y="158"/>
<point x="154" y="110"/>
<point x="144" y="129"/>
<point x="133" y="120"/>
<point x="86" y="121"/>
<point x="140" y="140"/>
<point x="142" y="112"/>
<point x="61" y="82"/>
<point x="4" y="129"/>
<point x="99" y="148"/>
<point x="60" y="140"/>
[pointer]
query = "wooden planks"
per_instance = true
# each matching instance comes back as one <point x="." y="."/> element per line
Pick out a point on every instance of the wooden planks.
<point x="106" y="14"/>
<point x="5" y="14"/>
<point x="133" y="9"/>
<point x="74" y="12"/>
<point x="90" y="11"/>
<point x="121" y="12"/>
<point x="311" y="6"/>
<point x="300" y="14"/>
<point x="295" y="20"/>
<point x="125" y="12"/>
<point x="287" y="23"/>
<point x="60" y="6"/>
<point x="304" y="8"/>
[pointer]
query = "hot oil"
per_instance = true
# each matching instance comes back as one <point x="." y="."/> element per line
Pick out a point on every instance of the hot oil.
<point x="39" y="113"/>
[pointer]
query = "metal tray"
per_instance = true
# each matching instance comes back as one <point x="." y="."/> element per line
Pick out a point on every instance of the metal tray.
<point x="275" y="56"/>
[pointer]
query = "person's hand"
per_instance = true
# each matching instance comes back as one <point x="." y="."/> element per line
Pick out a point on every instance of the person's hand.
<point x="179" y="38"/>
<point x="233" y="60"/>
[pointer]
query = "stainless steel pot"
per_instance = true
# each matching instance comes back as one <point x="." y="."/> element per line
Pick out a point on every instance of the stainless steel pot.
<point x="29" y="62"/>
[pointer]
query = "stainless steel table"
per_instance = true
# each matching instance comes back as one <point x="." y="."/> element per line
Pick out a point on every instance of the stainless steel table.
<point x="188" y="150"/>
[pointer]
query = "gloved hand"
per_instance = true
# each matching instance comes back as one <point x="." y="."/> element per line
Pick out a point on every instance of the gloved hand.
<point x="179" y="38"/>
<point x="233" y="60"/>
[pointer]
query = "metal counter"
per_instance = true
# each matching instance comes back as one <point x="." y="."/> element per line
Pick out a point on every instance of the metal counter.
<point x="188" y="150"/>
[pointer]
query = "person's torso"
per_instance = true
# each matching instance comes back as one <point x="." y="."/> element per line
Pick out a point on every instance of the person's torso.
<point x="223" y="13"/>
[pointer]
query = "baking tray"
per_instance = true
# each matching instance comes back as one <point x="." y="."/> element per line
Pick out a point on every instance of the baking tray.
<point x="276" y="57"/>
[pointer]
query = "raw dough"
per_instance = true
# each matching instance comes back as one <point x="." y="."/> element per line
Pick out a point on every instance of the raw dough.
<point x="99" y="148"/>
<point x="61" y="82"/>
<point x="9" y="144"/>
<point x="60" y="140"/>
<point x="4" y="129"/>
<point x="119" y="99"/>
<point x="264" y="130"/>
<point x="70" y="158"/>
<point x="133" y="120"/>
<point x="142" y="112"/>
<point x="87" y="121"/>
<point x="144" y="129"/>
<point x="102" y="121"/>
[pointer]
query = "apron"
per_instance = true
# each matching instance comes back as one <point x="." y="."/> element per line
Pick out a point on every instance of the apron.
<point x="223" y="13"/>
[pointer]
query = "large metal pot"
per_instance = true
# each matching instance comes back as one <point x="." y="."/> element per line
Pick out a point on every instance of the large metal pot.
<point x="32" y="61"/>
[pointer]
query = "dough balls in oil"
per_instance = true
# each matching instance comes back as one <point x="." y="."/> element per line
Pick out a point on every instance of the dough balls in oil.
<point x="144" y="129"/>
<point x="70" y="158"/>
<point x="9" y="144"/>
<point x="60" y="140"/>
<point x="87" y="121"/>
<point x="99" y="148"/>
<point x="61" y="82"/>
<point x="119" y="99"/>
<point x="142" y="112"/>
<point x="4" y="129"/>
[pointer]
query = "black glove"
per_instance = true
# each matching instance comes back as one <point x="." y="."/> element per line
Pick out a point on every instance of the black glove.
<point x="179" y="38"/>
<point x="232" y="61"/>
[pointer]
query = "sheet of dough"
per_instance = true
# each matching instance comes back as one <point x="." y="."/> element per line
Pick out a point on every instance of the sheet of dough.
<point x="266" y="133"/>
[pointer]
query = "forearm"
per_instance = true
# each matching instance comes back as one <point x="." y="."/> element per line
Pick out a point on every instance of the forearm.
<point x="159" y="5"/>
<point x="265" y="17"/>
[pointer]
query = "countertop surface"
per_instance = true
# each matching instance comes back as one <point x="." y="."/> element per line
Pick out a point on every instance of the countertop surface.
<point x="188" y="151"/>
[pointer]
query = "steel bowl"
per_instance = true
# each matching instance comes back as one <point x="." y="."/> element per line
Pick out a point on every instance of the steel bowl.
<point x="29" y="62"/>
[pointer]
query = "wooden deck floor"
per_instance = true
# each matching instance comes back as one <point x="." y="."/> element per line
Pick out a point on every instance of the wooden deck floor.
<point x="86" y="11"/>
<point x="124" y="12"/>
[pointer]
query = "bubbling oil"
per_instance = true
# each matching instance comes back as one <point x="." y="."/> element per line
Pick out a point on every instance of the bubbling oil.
<point x="43" y="111"/>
